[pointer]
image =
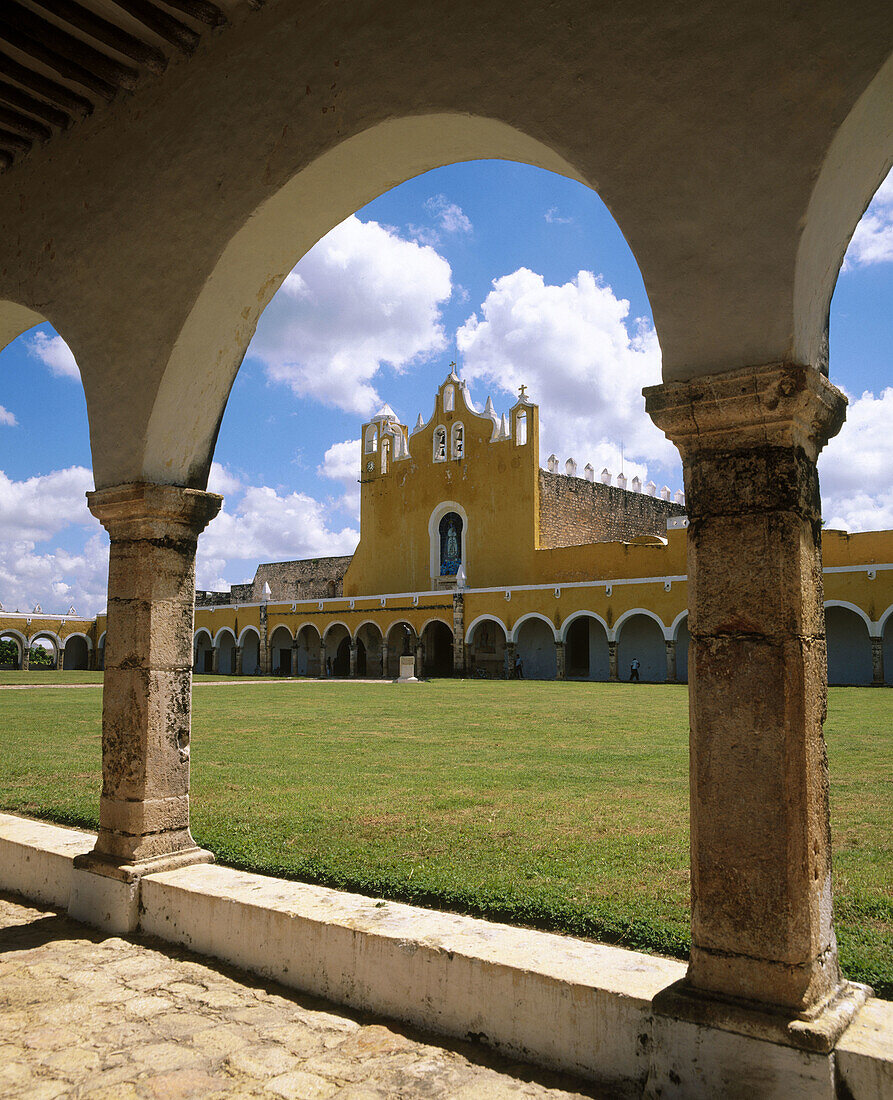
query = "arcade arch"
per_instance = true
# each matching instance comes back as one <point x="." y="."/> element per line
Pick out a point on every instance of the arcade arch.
<point x="50" y="642"/>
<point x="402" y="641"/>
<point x="886" y="634"/>
<point x="534" y="638"/>
<point x="640" y="635"/>
<point x="280" y="651"/>
<point x="369" y="642"/>
<point x="307" y="646"/>
<point x="203" y="651"/>
<point x="337" y="641"/>
<point x="586" y="655"/>
<point x="76" y="653"/>
<point x="485" y="647"/>
<point x="848" y="644"/>
<point x="225" y="644"/>
<point x="249" y="643"/>
<point x="21" y="644"/>
<point x="682" y="637"/>
<point x="437" y="649"/>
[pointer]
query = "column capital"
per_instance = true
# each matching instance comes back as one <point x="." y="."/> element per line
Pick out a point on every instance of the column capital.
<point x="144" y="510"/>
<point x="774" y="405"/>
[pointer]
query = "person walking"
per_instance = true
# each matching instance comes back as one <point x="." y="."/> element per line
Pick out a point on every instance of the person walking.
<point x="634" y="670"/>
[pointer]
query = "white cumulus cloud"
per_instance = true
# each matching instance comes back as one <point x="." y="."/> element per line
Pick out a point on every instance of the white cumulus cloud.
<point x="360" y="299"/>
<point x="341" y="463"/>
<point x="872" y="243"/>
<point x="7" y="418"/>
<point x="583" y="360"/>
<point x="33" y="514"/>
<point x="54" y="353"/>
<point x="854" y="469"/>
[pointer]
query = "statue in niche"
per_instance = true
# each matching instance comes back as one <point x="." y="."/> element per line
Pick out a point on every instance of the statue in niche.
<point x="450" y="544"/>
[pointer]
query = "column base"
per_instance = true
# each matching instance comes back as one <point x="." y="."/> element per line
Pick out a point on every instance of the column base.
<point x="817" y="1029"/>
<point x="106" y="894"/>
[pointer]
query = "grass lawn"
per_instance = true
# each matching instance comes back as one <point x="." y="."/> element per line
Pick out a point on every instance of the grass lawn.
<point x="563" y="806"/>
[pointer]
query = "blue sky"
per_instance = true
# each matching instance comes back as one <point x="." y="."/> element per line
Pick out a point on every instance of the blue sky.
<point x="517" y="275"/>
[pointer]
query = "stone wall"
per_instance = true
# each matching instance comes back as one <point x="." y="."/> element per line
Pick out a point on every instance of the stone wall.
<point x="310" y="579"/>
<point x="574" y="511"/>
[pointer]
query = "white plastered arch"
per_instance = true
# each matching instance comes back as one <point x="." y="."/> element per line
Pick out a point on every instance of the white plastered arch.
<point x="224" y="630"/>
<point x="19" y="637"/>
<point x="614" y="636"/>
<point x="442" y="509"/>
<point x="271" y="630"/>
<point x="245" y="632"/>
<point x="673" y="631"/>
<point x="53" y="637"/>
<point x="312" y="626"/>
<point x="397" y="622"/>
<point x="355" y="637"/>
<point x="207" y="633"/>
<point x="882" y="621"/>
<point x="80" y="634"/>
<point x="565" y="626"/>
<point x="254" y="263"/>
<point x="481" y="619"/>
<point x="870" y="626"/>
<point x="434" y="619"/>
<point x="513" y="637"/>
<point x="331" y="626"/>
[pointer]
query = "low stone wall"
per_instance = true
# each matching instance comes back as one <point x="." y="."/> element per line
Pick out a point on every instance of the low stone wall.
<point x="574" y="511"/>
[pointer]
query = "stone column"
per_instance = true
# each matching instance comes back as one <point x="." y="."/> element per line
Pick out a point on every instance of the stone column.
<point x="215" y="659"/>
<point x="322" y="660"/>
<point x="263" y="646"/>
<point x="671" y="661"/>
<point x="509" y="660"/>
<point x="353" y="660"/>
<point x="60" y="661"/>
<point x="294" y="657"/>
<point x="237" y="660"/>
<point x="612" y="662"/>
<point x="877" y="662"/>
<point x="384" y="660"/>
<point x="560" y="670"/>
<point x="458" y="634"/>
<point x="146" y="700"/>
<point x="91" y="659"/>
<point x="419" y="659"/>
<point x="760" y="836"/>
<point x="26" y="657"/>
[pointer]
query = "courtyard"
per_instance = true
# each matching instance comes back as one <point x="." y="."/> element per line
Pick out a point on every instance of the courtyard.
<point x="556" y="806"/>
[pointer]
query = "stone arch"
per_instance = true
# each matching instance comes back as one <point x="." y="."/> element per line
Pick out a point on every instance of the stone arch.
<point x="437" y="648"/>
<point x="252" y="263"/>
<point x="21" y="644"/>
<point x="402" y="641"/>
<point x="585" y="637"/>
<point x="337" y="638"/>
<point x="202" y="648"/>
<point x="640" y="634"/>
<point x="682" y="638"/>
<point x="225" y="644"/>
<point x="249" y="643"/>
<point x="280" y="650"/>
<point x="855" y="164"/>
<point x="77" y="652"/>
<point x="485" y="642"/>
<point x="368" y="640"/>
<point x="513" y="633"/>
<point x="307" y="650"/>
<point x="848" y="641"/>
<point x="53" y="638"/>
<point x="534" y="637"/>
<point x="100" y="653"/>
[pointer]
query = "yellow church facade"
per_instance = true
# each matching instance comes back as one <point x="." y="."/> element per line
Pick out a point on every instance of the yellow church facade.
<point x="476" y="562"/>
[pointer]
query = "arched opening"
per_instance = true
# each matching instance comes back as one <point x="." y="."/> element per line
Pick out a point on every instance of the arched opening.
<point x="307" y="651"/>
<point x="640" y="638"/>
<point x="586" y="650"/>
<point x="683" y="639"/>
<point x="849" y="647"/>
<point x="204" y="652"/>
<point x="77" y="653"/>
<point x="250" y="645"/>
<point x="370" y="659"/>
<point x="100" y="653"/>
<point x="535" y="646"/>
<point x="12" y="649"/>
<point x="280" y="651"/>
<point x="485" y="653"/>
<point x="226" y="653"/>
<point x="43" y="651"/>
<point x="887" y="649"/>
<point x="437" y="649"/>
<point x="402" y="641"/>
<point x="337" y="645"/>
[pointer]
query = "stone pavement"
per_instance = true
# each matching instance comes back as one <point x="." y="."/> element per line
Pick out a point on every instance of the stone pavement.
<point x="83" y="1015"/>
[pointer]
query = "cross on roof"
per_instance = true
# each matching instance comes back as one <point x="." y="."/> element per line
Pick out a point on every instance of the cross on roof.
<point x="522" y="391"/>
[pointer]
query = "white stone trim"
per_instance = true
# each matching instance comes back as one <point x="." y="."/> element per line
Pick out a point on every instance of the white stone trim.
<point x="583" y="613"/>
<point x="847" y="606"/>
<point x="312" y="626"/>
<point x="245" y="631"/>
<point x="677" y="622"/>
<point x="397" y="622"/>
<point x="224" y="630"/>
<point x="533" y="615"/>
<point x="355" y="637"/>
<point x="272" y="628"/>
<point x="54" y="638"/>
<point x="330" y="627"/>
<point x="882" y="621"/>
<point x="485" y="618"/>
<point x="615" y="634"/>
<point x="434" y="619"/>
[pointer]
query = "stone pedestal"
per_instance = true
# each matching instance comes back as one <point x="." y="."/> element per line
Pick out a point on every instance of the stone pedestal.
<point x="612" y="662"/>
<point x="761" y="853"/>
<point x="560" y="669"/>
<point x="144" y="808"/>
<point x="877" y="662"/>
<point x="671" y="662"/>
<point x="407" y="671"/>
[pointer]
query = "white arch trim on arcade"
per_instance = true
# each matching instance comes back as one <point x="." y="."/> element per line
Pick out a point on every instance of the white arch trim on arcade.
<point x="882" y="621"/>
<point x="332" y="626"/>
<point x="224" y="630"/>
<point x="355" y="637"/>
<point x="566" y="625"/>
<point x="53" y="637"/>
<point x="433" y="619"/>
<point x="245" y="632"/>
<point x="615" y="634"/>
<point x="674" y="626"/>
<point x="526" y="618"/>
<point x="870" y="626"/>
<point x="79" y="634"/>
<point x="202" y="630"/>
<point x="304" y="626"/>
<point x="397" y="622"/>
<point x="484" y="618"/>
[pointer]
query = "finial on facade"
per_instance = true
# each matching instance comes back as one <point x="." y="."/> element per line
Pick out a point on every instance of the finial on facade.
<point x="419" y="424"/>
<point x="267" y="593"/>
<point x="679" y="496"/>
<point x="588" y="472"/>
<point x="384" y="413"/>
<point x="570" y="468"/>
<point x="621" y="481"/>
<point x="553" y="464"/>
<point x="37" y="607"/>
<point x="452" y="376"/>
<point x="522" y="395"/>
<point x="504" y="432"/>
<point x="605" y="476"/>
<point x="665" y="493"/>
<point x="71" y="611"/>
<point x="650" y="488"/>
<point x="636" y="484"/>
<point x="460" y="575"/>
